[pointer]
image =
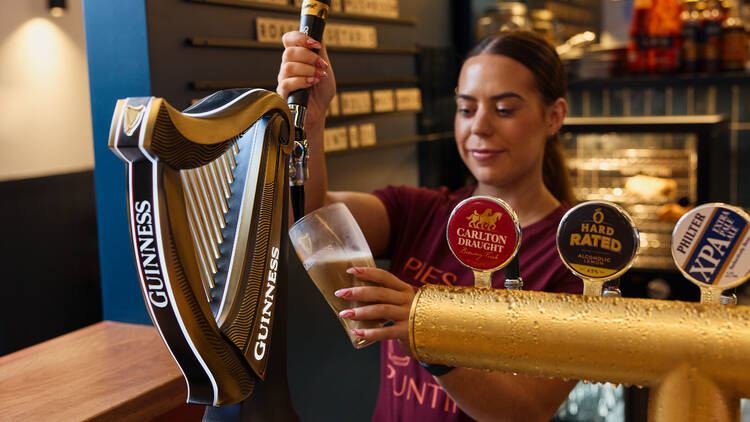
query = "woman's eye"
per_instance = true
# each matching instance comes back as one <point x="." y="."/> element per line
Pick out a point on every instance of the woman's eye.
<point x="465" y="111"/>
<point x="503" y="111"/>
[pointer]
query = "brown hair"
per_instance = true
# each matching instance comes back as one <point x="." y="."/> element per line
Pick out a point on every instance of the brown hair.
<point x="537" y="55"/>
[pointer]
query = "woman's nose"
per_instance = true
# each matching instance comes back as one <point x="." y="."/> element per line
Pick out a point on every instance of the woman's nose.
<point x="482" y="123"/>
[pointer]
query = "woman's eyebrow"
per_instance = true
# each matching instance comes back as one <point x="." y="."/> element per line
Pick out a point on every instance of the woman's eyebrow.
<point x="506" y="95"/>
<point x="495" y="97"/>
<point x="465" y="97"/>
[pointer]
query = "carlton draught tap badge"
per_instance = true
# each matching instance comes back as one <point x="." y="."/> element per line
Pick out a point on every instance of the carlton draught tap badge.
<point x="597" y="240"/>
<point x="483" y="233"/>
<point x="710" y="245"/>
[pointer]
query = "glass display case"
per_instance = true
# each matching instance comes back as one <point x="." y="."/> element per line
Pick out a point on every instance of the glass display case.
<point x="652" y="166"/>
<point x="647" y="173"/>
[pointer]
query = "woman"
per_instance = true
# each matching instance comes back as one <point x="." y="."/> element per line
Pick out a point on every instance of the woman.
<point x="510" y="107"/>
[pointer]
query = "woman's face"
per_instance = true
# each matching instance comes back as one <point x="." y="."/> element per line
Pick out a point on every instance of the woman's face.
<point x="501" y="123"/>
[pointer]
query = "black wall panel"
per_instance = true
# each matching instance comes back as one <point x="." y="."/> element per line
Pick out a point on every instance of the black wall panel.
<point x="50" y="278"/>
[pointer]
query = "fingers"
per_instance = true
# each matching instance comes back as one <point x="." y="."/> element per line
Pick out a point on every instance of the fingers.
<point x="289" y="85"/>
<point x="300" y="67"/>
<point x="303" y="55"/>
<point x="375" y="312"/>
<point x="398" y="331"/>
<point x="381" y="277"/>
<point x="298" y="39"/>
<point x="374" y="294"/>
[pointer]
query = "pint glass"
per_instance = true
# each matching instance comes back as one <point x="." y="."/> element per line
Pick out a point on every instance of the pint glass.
<point x="328" y="241"/>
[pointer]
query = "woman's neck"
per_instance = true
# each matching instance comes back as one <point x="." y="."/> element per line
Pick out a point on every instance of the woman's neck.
<point x="531" y="200"/>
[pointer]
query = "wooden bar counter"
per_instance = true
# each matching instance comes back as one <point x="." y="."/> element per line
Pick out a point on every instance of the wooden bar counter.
<point x="107" y="371"/>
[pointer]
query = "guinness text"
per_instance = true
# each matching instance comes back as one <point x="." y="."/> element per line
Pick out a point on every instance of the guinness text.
<point x="268" y="300"/>
<point x="147" y="255"/>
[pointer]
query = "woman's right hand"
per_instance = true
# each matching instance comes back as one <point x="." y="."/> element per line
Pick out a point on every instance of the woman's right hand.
<point x="302" y="68"/>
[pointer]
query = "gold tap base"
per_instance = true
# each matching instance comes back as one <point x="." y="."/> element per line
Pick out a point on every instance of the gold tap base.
<point x="694" y="357"/>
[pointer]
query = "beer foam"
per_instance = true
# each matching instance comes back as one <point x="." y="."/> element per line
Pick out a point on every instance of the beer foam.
<point x="357" y="258"/>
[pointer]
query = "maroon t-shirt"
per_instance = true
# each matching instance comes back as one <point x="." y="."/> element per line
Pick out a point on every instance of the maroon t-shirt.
<point x="420" y="255"/>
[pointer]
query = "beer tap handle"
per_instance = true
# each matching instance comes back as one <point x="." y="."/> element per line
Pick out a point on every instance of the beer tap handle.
<point x="484" y="234"/>
<point x="728" y="297"/>
<point x="312" y="23"/>
<point x="598" y="242"/>
<point x="708" y="247"/>
<point x="483" y="279"/>
<point x="513" y="280"/>
<point x="592" y="287"/>
<point x="611" y="288"/>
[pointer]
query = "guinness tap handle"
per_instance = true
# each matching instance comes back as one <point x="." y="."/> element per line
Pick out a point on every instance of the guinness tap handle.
<point x="312" y="22"/>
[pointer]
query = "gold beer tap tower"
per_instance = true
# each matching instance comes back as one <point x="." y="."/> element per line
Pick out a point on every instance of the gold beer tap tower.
<point x="694" y="357"/>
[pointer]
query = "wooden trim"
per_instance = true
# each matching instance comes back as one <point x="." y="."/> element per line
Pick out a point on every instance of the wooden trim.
<point x="106" y="371"/>
<point x="293" y="10"/>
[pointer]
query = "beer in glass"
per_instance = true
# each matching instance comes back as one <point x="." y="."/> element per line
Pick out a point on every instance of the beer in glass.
<point x="328" y="241"/>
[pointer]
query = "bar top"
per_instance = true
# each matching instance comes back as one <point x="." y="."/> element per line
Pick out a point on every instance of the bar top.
<point x="106" y="371"/>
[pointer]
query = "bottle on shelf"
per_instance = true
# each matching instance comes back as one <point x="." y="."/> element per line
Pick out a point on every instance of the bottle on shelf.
<point x="734" y="43"/>
<point x="689" y="36"/>
<point x="712" y="27"/>
<point x="637" y="54"/>
<point x="664" y="33"/>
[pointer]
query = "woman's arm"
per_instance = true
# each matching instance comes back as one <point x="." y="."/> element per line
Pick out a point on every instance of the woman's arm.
<point x="498" y="396"/>
<point x="301" y="68"/>
<point x="485" y="396"/>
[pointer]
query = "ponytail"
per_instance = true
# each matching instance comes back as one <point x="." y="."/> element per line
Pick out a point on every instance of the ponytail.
<point x="555" y="172"/>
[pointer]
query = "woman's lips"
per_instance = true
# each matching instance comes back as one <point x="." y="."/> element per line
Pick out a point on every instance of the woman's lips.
<point x="485" y="154"/>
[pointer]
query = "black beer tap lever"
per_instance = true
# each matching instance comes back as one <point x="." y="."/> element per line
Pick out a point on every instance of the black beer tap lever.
<point x="312" y="23"/>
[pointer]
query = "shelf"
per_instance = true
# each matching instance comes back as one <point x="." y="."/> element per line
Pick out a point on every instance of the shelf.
<point x="295" y="11"/>
<point x="639" y="124"/>
<point x="202" y="85"/>
<point x="343" y="118"/>
<point x="257" y="45"/>
<point x="661" y="81"/>
<point x="396" y="142"/>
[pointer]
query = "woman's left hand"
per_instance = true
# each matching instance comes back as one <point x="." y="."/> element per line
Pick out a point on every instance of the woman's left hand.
<point x="390" y="300"/>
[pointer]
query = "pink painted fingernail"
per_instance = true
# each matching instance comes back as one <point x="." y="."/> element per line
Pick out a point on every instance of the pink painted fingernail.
<point x="321" y="73"/>
<point x="313" y="44"/>
<point x="322" y="64"/>
<point x="355" y="270"/>
<point x="359" y="333"/>
<point x="346" y="313"/>
<point x="310" y="80"/>
<point x="342" y="293"/>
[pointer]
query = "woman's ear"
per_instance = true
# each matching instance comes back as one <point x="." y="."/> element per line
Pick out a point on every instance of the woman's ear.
<point x="556" y="116"/>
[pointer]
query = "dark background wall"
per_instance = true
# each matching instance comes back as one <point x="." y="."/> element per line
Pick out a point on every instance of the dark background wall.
<point x="51" y="276"/>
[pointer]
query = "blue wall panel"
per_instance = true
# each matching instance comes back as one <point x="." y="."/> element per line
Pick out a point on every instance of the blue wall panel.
<point x="117" y="49"/>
